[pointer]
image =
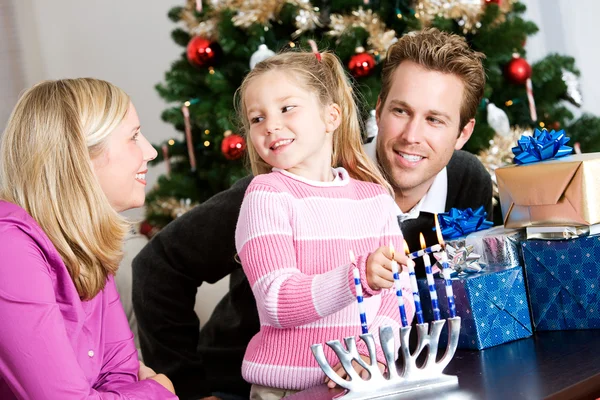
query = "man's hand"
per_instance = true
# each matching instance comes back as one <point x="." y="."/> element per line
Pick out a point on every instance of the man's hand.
<point x="379" y="268"/>
<point x="361" y="371"/>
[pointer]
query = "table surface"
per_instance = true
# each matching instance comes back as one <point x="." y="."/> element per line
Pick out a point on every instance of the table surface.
<point x="554" y="365"/>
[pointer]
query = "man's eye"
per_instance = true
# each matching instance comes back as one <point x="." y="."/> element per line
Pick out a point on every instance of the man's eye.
<point x="435" y="120"/>
<point x="399" y="110"/>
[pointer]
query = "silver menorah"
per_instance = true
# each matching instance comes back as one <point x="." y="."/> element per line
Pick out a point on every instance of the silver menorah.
<point x="411" y="377"/>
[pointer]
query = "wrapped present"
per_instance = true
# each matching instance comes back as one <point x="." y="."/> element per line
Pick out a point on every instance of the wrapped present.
<point x="559" y="192"/>
<point x="561" y="232"/>
<point x="492" y="305"/>
<point x="496" y="246"/>
<point x="563" y="278"/>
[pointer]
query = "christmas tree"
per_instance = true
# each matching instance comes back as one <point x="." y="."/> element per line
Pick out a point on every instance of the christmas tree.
<point x="224" y="38"/>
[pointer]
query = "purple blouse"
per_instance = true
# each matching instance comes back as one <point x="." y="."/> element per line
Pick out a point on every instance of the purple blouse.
<point x="52" y="344"/>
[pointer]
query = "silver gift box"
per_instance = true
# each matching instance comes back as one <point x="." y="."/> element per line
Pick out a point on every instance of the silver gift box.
<point x="497" y="246"/>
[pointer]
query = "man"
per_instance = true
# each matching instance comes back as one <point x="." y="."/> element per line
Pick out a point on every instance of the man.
<point x="432" y="83"/>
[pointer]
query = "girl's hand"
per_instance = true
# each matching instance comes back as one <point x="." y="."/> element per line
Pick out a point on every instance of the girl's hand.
<point x="379" y="268"/>
<point x="361" y="371"/>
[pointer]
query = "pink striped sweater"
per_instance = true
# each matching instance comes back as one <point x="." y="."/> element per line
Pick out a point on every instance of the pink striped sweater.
<point x="293" y="237"/>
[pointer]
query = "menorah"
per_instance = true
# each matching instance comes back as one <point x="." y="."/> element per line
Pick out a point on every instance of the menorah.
<point x="411" y="376"/>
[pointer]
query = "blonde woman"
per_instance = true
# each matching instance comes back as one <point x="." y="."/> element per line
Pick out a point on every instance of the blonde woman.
<point x="72" y="157"/>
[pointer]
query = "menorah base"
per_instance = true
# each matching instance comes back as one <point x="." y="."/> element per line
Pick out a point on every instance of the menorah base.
<point x="395" y="390"/>
<point x="410" y="376"/>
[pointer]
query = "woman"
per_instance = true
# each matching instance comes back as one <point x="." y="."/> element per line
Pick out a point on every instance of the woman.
<point x="72" y="157"/>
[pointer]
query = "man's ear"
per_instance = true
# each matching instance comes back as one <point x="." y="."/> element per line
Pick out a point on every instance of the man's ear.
<point x="333" y="117"/>
<point x="378" y="109"/>
<point x="465" y="134"/>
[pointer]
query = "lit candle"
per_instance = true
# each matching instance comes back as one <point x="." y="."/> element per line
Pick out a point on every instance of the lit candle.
<point x="396" y="275"/>
<point x="445" y="270"/>
<point x="414" y="286"/>
<point x="430" y="282"/>
<point x="359" y="295"/>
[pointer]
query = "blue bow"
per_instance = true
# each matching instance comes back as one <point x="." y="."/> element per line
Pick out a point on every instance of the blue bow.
<point x="457" y="223"/>
<point x="543" y="145"/>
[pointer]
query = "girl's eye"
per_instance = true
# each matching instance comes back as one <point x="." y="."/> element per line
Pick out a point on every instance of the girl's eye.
<point x="135" y="137"/>
<point x="287" y="108"/>
<point x="256" y="120"/>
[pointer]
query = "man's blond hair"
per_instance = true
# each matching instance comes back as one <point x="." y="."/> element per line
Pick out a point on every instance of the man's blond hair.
<point x="442" y="52"/>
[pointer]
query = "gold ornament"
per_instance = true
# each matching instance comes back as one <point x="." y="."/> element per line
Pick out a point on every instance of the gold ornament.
<point x="380" y="38"/>
<point x="500" y="154"/>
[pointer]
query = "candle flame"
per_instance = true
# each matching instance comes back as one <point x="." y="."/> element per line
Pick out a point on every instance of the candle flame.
<point x="422" y="241"/>
<point x="392" y="249"/>
<point x="405" y="245"/>
<point x="438" y="231"/>
<point x="352" y="258"/>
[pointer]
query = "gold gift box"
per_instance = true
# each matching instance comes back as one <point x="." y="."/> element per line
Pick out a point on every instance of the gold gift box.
<point x="561" y="192"/>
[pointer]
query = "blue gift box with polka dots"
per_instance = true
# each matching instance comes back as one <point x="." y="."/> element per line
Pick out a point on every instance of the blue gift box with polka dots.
<point x="492" y="305"/>
<point x="563" y="278"/>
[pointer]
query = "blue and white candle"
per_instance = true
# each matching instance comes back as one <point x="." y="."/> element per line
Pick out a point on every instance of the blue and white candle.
<point x="415" y="288"/>
<point x="396" y="274"/>
<point x="446" y="270"/>
<point x="432" y="293"/>
<point x="359" y="295"/>
<point x="448" y="283"/>
<point x="429" y="250"/>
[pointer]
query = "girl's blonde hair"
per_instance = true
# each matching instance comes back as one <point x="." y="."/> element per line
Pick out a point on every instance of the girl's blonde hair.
<point x="327" y="79"/>
<point x="53" y="133"/>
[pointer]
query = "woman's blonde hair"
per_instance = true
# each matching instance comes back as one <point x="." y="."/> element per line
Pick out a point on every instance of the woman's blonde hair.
<point x="55" y="130"/>
<point x="327" y="79"/>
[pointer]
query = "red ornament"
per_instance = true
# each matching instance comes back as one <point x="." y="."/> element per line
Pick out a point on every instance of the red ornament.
<point x="361" y="64"/>
<point x="518" y="70"/>
<point x="233" y="146"/>
<point x="202" y="52"/>
<point x="492" y="2"/>
<point x="147" y="230"/>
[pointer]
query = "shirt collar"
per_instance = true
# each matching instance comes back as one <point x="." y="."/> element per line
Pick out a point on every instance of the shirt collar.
<point x="434" y="200"/>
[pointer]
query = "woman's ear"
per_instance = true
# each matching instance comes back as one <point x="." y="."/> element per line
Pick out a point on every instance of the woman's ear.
<point x="333" y="117"/>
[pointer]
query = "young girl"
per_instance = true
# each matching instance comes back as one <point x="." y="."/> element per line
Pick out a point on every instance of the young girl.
<point x="301" y="217"/>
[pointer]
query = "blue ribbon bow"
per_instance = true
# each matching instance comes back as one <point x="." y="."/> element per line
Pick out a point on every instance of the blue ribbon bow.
<point x="457" y="223"/>
<point x="543" y="145"/>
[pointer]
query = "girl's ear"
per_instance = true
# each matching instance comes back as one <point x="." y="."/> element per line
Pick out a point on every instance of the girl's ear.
<point x="333" y="117"/>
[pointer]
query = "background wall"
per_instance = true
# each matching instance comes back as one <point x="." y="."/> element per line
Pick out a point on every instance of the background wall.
<point x="129" y="44"/>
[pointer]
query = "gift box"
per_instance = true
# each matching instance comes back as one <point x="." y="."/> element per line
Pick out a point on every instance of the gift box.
<point x="563" y="278"/>
<point x="497" y="246"/>
<point x="492" y="305"/>
<point x="564" y="191"/>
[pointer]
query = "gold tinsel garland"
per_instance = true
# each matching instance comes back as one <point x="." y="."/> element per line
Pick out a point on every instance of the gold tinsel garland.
<point x="249" y="12"/>
<point x="466" y="12"/>
<point x="380" y="38"/>
<point x="500" y="154"/>
<point x="170" y="206"/>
